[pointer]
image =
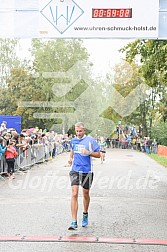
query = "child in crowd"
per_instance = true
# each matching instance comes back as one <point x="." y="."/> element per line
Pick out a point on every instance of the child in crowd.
<point x="2" y="148"/>
<point x="11" y="154"/>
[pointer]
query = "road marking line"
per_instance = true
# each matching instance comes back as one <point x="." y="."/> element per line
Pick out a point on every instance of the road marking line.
<point x="83" y="239"/>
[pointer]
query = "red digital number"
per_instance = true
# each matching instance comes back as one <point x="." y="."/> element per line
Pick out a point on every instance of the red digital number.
<point x="114" y="13"/>
<point x="127" y="13"/>
<point x="95" y="13"/>
<point x="101" y="12"/>
<point x="109" y="13"/>
<point x="121" y="13"/>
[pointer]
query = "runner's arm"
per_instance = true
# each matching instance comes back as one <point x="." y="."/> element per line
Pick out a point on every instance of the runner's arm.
<point x="95" y="154"/>
<point x="71" y="157"/>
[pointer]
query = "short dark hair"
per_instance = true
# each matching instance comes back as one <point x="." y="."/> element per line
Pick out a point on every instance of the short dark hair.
<point x="80" y="125"/>
<point x="22" y="135"/>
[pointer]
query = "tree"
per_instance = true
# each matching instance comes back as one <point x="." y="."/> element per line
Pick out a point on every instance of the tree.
<point x="159" y="132"/>
<point x="125" y="78"/>
<point x="51" y="58"/>
<point x="151" y="57"/>
<point x="8" y="58"/>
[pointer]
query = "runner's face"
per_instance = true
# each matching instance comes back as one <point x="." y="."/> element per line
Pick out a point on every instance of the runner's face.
<point x="80" y="132"/>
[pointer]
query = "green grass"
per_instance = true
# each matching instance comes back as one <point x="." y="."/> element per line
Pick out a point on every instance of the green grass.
<point x="160" y="159"/>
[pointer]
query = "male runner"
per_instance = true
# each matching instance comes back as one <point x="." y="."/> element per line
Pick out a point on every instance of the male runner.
<point x="83" y="148"/>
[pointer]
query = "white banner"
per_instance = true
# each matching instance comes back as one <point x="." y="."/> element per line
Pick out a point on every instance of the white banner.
<point x="79" y="19"/>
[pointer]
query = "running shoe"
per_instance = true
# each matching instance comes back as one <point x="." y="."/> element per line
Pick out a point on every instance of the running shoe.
<point x="73" y="225"/>
<point x="85" y="220"/>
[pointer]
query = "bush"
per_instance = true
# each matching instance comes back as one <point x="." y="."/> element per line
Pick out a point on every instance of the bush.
<point x="159" y="132"/>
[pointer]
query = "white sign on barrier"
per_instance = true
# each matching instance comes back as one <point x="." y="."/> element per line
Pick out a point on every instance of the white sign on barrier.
<point x="79" y="19"/>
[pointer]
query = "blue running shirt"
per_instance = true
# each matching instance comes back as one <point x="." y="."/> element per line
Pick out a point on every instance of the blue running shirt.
<point x="81" y="162"/>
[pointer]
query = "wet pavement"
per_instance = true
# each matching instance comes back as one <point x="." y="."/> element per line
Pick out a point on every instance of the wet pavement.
<point x="128" y="200"/>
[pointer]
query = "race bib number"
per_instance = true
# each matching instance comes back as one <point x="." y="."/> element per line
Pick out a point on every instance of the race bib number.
<point x="78" y="148"/>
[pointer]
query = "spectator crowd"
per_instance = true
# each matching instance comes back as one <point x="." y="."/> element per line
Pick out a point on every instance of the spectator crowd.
<point x="30" y="146"/>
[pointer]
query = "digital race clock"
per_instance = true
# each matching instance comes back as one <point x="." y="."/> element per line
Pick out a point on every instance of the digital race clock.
<point x="112" y="13"/>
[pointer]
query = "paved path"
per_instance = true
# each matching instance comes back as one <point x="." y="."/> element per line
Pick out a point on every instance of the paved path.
<point x="128" y="200"/>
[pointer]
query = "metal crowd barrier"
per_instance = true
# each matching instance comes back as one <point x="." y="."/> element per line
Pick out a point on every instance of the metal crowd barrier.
<point x="37" y="153"/>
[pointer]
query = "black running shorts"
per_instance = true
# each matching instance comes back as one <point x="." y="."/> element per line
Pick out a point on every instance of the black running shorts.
<point x="83" y="179"/>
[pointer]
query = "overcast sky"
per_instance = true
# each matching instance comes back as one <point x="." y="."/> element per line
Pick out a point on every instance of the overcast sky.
<point x="104" y="53"/>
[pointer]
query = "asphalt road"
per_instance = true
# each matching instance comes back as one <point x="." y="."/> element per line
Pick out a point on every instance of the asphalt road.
<point x="128" y="200"/>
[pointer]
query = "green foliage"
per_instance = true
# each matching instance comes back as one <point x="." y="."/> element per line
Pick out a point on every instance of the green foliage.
<point x="20" y="85"/>
<point x="54" y="56"/>
<point x="151" y="57"/>
<point x="160" y="159"/>
<point x="146" y="59"/>
<point x="159" y="132"/>
<point x="125" y="79"/>
<point x="8" y="58"/>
